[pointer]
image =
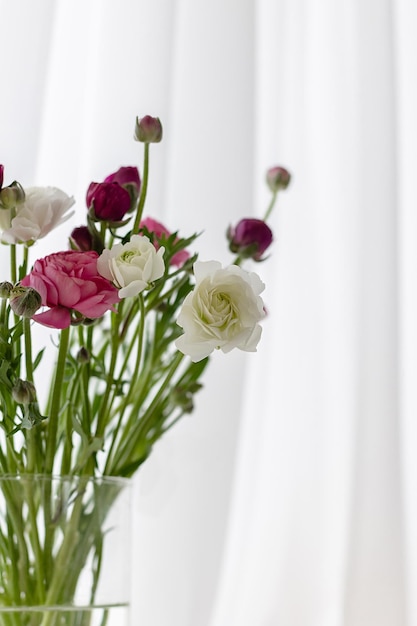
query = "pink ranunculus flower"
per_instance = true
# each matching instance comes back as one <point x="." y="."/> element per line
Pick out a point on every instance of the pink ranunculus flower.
<point x="158" y="230"/>
<point x="69" y="282"/>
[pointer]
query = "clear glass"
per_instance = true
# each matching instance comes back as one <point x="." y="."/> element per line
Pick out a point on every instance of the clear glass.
<point x="64" y="551"/>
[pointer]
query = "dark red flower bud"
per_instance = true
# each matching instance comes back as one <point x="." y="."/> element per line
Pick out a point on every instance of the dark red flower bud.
<point x="129" y="179"/>
<point x="250" y="238"/>
<point x="1" y="175"/>
<point x="124" y="176"/>
<point x="109" y="201"/>
<point x="277" y="178"/>
<point x="148" y="129"/>
<point x="81" y="239"/>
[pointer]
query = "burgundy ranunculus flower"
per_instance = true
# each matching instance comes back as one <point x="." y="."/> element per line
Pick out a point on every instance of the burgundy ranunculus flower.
<point x="250" y="238"/>
<point x="159" y="229"/>
<point x="129" y="179"/>
<point x="69" y="281"/>
<point x="1" y="175"/>
<point x="81" y="239"/>
<point x="125" y="176"/>
<point x="109" y="201"/>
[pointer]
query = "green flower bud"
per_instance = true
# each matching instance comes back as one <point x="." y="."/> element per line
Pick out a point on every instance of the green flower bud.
<point x="277" y="178"/>
<point x="148" y="129"/>
<point x="25" y="301"/>
<point x="5" y="289"/>
<point x="12" y="196"/>
<point x="23" y="391"/>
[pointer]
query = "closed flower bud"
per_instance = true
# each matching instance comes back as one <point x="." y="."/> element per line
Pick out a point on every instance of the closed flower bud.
<point x="277" y="178"/>
<point x="81" y="239"/>
<point x="83" y="355"/>
<point x="148" y="129"/>
<point x="5" y="289"/>
<point x="12" y="196"/>
<point x="25" y="301"/>
<point x="129" y="179"/>
<point x="23" y="391"/>
<point x="108" y="201"/>
<point x="250" y="238"/>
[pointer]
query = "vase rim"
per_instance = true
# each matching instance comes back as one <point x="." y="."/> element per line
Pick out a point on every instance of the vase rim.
<point x="67" y="478"/>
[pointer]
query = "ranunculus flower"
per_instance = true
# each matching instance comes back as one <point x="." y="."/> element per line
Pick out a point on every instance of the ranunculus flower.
<point x="81" y="239"/>
<point x="44" y="208"/>
<point x="129" y="179"/>
<point x="109" y="201"/>
<point x="159" y="229"/>
<point x="125" y="176"/>
<point x="222" y="312"/>
<point x="132" y="266"/>
<point x="69" y="281"/>
<point x="250" y="238"/>
<point x="1" y="175"/>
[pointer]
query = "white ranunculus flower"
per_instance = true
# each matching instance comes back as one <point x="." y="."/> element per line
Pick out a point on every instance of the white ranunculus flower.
<point x="132" y="266"/>
<point x="221" y="312"/>
<point x="44" y="208"/>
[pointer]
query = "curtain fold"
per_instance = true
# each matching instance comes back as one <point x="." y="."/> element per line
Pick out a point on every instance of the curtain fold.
<point x="289" y="497"/>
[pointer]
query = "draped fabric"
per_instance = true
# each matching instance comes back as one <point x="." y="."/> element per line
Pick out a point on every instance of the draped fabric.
<point x="289" y="497"/>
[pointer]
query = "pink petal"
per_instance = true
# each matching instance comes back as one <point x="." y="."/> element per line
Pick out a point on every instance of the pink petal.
<point x="57" y="317"/>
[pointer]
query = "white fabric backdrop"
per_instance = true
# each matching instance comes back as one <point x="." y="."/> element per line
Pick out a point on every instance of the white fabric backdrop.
<point x="289" y="498"/>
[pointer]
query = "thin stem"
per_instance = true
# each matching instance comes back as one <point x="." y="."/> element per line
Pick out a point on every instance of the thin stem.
<point x="25" y="260"/>
<point x="56" y="401"/>
<point x="122" y="406"/>
<point x="13" y="263"/>
<point x="148" y="418"/>
<point x="30" y="435"/>
<point x="104" y="409"/>
<point x="28" y="349"/>
<point x="271" y="205"/>
<point x="143" y="188"/>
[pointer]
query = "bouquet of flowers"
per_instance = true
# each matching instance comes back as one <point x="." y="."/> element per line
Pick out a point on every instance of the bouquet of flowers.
<point x="136" y="317"/>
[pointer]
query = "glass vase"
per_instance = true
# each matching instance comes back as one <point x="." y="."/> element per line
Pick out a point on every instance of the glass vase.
<point x="64" y="551"/>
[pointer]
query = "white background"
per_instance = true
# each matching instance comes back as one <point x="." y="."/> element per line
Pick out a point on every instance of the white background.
<point x="289" y="498"/>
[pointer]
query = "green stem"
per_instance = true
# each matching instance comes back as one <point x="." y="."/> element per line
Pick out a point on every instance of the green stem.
<point x="25" y="260"/>
<point x="56" y="401"/>
<point x="122" y="406"/>
<point x="271" y="205"/>
<point x="64" y="556"/>
<point x="143" y="188"/>
<point x="13" y="263"/>
<point x="147" y="419"/>
<point x="28" y="349"/>
<point x="30" y="434"/>
<point x="104" y="408"/>
<point x="36" y="545"/>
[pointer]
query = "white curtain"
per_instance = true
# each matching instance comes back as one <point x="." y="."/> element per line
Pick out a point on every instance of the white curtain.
<point x="289" y="498"/>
